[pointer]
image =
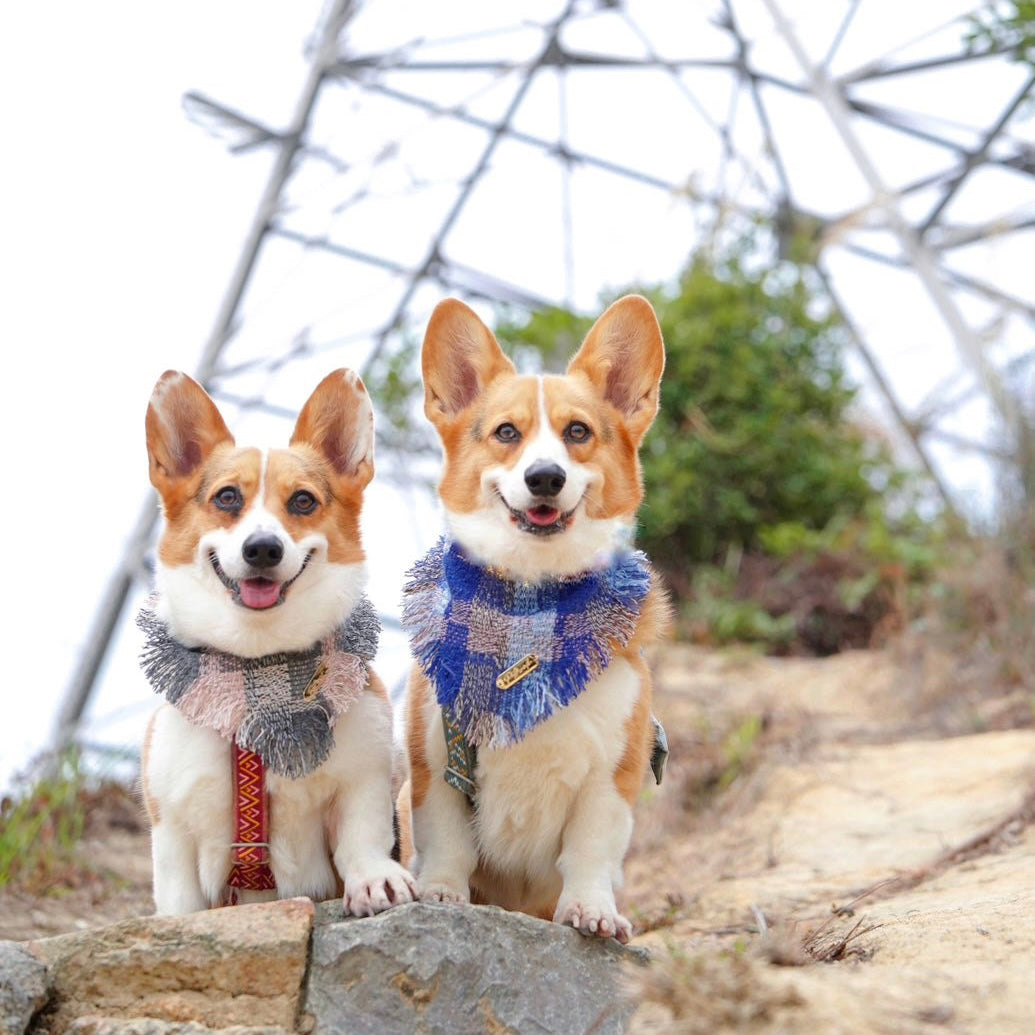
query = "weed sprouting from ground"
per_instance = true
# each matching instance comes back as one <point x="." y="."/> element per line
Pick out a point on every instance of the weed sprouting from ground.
<point x="41" y="824"/>
<point x="827" y="944"/>
<point x="43" y="821"/>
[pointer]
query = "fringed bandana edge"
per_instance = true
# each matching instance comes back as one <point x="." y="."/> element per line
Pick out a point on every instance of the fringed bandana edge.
<point x="282" y="706"/>
<point x="503" y="656"/>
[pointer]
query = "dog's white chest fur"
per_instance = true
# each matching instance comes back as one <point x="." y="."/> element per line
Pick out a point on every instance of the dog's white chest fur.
<point x="526" y="792"/>
<point x="189" y="770"/>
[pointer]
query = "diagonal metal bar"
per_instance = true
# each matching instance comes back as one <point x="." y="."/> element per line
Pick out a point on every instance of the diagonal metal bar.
<point x="344" y="251"/>
<point x="884" y="387"/>
<point x="554" y="56"/>
<point x="746" y="72"/>
<point x="881" y="70"/>
<point x="893" y="118"/>
<point x="433" y="257"/>
<point x="977" y="157"/>
<point x="723" y="132"/>
<point x="522" y="137"/>
<point x="950" y="237"/>
<point x="839" y="35"/>
<point x="116" y="595"/>
<point x="963" y="280"/>
<point x="283" y="164"/>
<point x="829" y="96"/>
<point x="203" y="110"/>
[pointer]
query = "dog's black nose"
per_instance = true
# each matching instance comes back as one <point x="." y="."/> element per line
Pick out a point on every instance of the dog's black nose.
<point x="545" y="478"/>
<point x="262" y="550"/>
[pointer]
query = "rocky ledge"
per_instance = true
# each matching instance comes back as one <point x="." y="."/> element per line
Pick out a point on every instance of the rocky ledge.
<point x="292" y="967"/>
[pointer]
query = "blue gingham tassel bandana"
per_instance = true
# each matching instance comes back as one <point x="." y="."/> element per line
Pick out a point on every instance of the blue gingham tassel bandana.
<point x="468" y="626"/>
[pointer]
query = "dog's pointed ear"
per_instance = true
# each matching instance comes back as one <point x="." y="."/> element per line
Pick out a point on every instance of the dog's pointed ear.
<point x="338" y="422"/>
<point x="623" y="357"/>
<point x="183" y="428"/>
<point x="459" y="359"/>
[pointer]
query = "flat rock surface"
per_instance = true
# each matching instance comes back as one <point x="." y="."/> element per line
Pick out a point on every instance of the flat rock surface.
<point x="456" y="969"/>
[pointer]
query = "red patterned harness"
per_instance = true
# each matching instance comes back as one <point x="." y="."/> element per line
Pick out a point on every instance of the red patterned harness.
<point x="250" y="859"/>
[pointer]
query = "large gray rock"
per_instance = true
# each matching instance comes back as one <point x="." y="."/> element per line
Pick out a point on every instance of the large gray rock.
<point x="428" y="968"/>
<point x="23" y="987"/>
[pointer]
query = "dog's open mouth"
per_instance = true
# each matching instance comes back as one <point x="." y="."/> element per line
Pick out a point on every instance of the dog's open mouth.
<point x="258" y="593"/>
<point x="542" y="519"/>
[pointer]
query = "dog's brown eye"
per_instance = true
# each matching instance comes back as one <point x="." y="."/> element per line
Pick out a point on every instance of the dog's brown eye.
<point x="577" y="432"/>
<point x="228" y="498"/>
<point x="507" y="433"/>
<point x="302" y="502"/>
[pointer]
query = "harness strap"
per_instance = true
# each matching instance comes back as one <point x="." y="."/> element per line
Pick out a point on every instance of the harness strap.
<point x="250" y="855"/>
<point x="462" y="755"/>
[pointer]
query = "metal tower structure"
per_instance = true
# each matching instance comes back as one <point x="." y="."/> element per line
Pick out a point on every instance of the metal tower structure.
<point x="548" y="152"/>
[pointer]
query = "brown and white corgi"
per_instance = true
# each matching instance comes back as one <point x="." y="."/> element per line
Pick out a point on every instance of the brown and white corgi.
<point x="260" y="573"/>
<point x="540" y="488"/>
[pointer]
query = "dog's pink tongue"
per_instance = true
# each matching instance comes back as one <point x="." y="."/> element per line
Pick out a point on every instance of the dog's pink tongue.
<point x="543" y="515"/>
<point x="259" y="593"/>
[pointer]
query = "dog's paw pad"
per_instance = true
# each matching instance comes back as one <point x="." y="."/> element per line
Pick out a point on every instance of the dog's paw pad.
<point x="437" y="892"/>
<point x="372" y="895"/>
<point x="595" y="920"/>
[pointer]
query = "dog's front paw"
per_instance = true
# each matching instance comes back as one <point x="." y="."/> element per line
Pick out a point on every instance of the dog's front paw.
<point x="371" y="893"/>
<point x="440" y="891"/>
<point x="594" y="917"/>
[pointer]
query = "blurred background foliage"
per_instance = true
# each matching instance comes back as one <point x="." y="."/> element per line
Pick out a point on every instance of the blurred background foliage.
<point x="1007" y="25"/>
<point x="777" y="511"/>
<point x="775" y="516"/>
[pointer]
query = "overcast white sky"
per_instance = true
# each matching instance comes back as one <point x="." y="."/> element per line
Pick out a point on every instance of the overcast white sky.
<point x="120" y="222"/>
<point x="119" y="225"/>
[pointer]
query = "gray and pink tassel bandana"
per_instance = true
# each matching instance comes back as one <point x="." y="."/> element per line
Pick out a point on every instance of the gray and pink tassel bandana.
<point x="281" y="706"/>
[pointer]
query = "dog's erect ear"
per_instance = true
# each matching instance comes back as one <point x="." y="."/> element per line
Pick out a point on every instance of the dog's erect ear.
<point x="338" y="422"/>
<point x="459" y="359"/>
<point x="623" y="357"/>
<point x="183" y="427"/>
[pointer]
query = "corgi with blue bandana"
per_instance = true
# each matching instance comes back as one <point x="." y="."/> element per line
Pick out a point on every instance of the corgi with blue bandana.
<point x="529" y="720"/>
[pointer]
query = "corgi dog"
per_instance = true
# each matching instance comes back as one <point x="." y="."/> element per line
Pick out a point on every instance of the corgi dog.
<point x="259" y="568"/>
<point x="540" y="488"/>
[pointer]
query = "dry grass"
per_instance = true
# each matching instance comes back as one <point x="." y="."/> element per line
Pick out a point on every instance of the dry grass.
<point x="44" y="821"/>
<point x="706" y="993"/>
<point x="972" y="648"/>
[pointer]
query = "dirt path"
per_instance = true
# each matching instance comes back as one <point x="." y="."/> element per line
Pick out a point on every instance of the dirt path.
<point x="834" y="848"/>
<point x="841" y="865"/>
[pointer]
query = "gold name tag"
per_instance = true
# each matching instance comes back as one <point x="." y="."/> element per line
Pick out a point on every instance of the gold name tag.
<point x="316" y="682"/>
<point x="529" y="663"/>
